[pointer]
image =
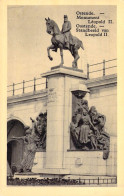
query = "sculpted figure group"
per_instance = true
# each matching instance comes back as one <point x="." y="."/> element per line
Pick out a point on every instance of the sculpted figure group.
<point x="88" y="129"/>
<point x="34" y="138"/>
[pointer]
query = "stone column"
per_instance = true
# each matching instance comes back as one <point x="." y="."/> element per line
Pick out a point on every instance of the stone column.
<point x="58" y="91"/>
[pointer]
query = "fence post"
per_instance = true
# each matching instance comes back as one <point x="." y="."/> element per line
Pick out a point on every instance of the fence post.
<point x="13" y="89"/>
<point x="34" y="84"/>
<point x="103" y="67"/>
<point x="98" y="180"/>
<point x="46" y="83"/>
<point x="23" y="86"/>
<point x="88" y="71"/>
<point x="79" y="181"/>
<point x="107" y="180"/>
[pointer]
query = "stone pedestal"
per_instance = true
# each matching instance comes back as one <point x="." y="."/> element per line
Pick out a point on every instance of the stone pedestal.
<point x="61" y="81"/>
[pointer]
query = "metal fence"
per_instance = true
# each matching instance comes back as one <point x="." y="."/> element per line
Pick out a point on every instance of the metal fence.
<point x="26" y="86"/>
<point x="60" y="181"/>
<point x="102" y="68"/>
<point x="94" y="70"/>
<point x="97" y="181"/>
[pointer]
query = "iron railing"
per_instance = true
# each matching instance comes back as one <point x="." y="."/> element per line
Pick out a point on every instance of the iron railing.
<point x="33" y="85"/>
<point x="59" y="181"/>
<point x="103" y="69"/>
<point x="97" y="181"/>
<point x="26" y="86"/>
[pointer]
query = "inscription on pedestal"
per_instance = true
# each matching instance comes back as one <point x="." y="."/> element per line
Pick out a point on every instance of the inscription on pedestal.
<point x="52" y="95"/>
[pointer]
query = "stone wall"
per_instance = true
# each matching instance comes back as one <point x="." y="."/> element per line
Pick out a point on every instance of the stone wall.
<point x="103" y="95"/>
<point x="27" y="105"/>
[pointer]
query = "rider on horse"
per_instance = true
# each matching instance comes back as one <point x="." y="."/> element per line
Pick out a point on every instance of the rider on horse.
<point x="66" y="30"/>
<point x="63" y="40"/>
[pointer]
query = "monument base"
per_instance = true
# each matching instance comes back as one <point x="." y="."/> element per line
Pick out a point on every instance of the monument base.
<point x="68" y="71"/>
<point x="69" y="68"/>
<point x="54" y="171"/>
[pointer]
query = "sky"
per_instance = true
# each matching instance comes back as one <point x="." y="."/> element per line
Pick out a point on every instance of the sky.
<point x="27" y="39"/>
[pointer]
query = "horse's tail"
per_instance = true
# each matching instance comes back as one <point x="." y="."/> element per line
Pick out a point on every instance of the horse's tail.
<point x="82" y="45"/>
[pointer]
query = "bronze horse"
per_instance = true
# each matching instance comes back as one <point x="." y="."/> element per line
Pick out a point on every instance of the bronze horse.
<point x="58" y="41"/>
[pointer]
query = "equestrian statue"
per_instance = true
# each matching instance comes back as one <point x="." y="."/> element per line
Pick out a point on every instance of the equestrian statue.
<point x="63" y="39"/>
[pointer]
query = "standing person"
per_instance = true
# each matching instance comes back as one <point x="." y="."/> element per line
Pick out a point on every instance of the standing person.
<point x="66" y="30"/>
<point x="103" y="138"/>
<point x="30" y="142"/>
<point x="84" y="127"/>
<point x="86" y="134"/>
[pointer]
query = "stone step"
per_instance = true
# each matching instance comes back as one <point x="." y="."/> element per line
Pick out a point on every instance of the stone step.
<point x="44" y="173"/>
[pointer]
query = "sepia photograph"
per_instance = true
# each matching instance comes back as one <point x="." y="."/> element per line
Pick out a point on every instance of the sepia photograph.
<point x="62" y="95"/>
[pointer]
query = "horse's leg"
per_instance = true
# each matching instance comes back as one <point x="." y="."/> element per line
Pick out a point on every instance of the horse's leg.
<point x="48" y="51"/>
<point x="76" y="57"/>
<point x="61" y="53"/>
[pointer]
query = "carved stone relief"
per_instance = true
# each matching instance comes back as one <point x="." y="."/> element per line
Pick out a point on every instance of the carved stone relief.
<point x="87" y="128"/>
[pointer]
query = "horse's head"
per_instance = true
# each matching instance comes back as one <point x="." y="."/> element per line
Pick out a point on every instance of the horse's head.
<point x="52" y="27"/>
<point x="49" y="26"/>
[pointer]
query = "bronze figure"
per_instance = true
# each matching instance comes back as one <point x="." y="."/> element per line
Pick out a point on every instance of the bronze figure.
<point x="63" y="40"/>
